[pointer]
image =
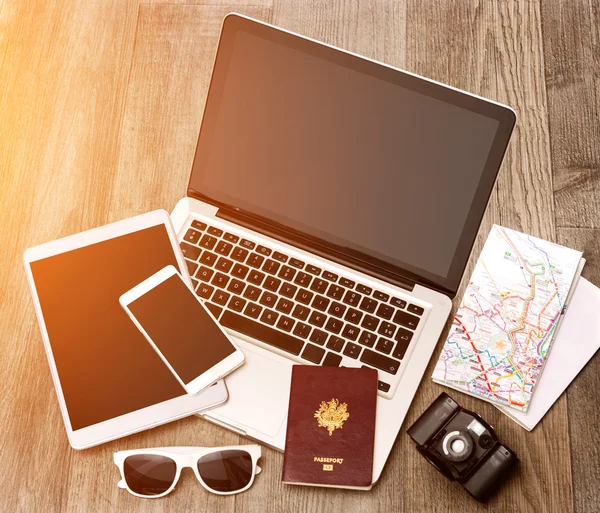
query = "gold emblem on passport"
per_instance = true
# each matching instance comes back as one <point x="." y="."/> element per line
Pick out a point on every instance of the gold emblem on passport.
<point x="332" y="415"/>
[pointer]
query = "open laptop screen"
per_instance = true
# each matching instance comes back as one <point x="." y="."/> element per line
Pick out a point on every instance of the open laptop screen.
<point x="357" y="155"/>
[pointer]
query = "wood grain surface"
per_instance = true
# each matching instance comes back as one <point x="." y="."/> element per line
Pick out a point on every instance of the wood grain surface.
<point x="100" y="108"/>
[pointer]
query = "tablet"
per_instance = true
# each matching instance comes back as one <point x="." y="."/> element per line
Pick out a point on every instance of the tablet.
<point x="109" y="380"/>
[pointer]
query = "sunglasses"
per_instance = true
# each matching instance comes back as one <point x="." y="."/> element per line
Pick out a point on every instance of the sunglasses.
<point x="153" y="473"/>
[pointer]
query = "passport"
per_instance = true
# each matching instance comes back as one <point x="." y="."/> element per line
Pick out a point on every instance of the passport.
<point x="330" y="436"/>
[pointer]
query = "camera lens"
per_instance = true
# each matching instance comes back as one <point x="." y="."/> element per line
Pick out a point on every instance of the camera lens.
<point x="457" y="445"/>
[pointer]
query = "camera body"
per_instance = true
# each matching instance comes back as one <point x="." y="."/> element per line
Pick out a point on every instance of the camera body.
<point x="463" y="447"/>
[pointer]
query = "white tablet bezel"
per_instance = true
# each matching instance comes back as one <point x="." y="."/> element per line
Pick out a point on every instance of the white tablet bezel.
<point x="144" y="418"/>
<point x="208" y="377"/>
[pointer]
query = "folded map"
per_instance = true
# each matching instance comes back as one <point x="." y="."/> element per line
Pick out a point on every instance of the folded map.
<point x="512" y="307"/>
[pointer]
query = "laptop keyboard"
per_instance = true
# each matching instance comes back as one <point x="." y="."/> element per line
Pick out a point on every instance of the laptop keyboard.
<point x="310" y="313"/>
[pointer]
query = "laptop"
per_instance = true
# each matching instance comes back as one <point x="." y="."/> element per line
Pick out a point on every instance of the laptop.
<point x="331" y="209"/>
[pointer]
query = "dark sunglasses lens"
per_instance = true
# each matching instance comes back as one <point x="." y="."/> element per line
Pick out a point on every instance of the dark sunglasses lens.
<point x="149" y="474"/>
<point x="226" y="471"/>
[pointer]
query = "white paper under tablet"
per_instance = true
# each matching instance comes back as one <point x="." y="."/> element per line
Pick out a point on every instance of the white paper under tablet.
<point x="106" y="366"/>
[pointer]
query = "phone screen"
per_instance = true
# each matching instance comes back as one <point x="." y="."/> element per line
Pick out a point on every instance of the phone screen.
<point x="184" y="332"/>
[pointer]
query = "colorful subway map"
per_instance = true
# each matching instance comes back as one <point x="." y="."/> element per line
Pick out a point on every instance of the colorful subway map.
<point x="503" y="329"/>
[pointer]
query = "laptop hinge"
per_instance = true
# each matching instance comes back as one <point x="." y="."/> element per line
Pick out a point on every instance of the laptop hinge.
<point x="308" y="245"/>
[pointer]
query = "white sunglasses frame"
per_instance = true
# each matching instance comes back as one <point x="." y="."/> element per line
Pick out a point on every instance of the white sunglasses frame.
<point x="186" y="457"/>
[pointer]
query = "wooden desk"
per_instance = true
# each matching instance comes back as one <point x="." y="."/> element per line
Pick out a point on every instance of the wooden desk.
<point x="100" y="106"/>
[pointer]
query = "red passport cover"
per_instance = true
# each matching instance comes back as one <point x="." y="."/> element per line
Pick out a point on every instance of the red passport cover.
<point x="331" y="426"/>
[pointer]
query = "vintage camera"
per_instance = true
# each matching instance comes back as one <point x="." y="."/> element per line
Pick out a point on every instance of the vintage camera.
<point x="463" y="447"/>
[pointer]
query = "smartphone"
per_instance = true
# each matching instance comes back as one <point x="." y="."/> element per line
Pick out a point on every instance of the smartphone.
<point x="184" y="333"/>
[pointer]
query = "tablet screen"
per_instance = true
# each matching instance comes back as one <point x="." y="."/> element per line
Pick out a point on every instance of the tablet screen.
<point x="105" y="365"/>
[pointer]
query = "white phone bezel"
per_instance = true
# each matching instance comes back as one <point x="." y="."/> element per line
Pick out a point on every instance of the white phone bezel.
<point x="208" y="377"/>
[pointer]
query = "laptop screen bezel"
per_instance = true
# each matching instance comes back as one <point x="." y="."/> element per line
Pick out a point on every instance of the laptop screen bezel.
<point x="504" y="115"/>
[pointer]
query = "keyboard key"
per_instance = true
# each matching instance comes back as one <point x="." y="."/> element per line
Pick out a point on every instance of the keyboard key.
<point x="263" y="250"/>
<point x="320" y="303"/>
<point x="384" y="387"/>
<point x="385" y="311"/>
<point x="352" y="298"/>
<point x="415" y="309"/>
<point x="271" y="283"/>
<point x="400" y="349"/>
<point x="353" y="316"/>
<point x="406" y="319"/>
<point x="217" y="232"/>
<point x="304" y="296"/>
<point x="237" y="303"/>
<point x="387" y="329"/>
<point x="240" y="271"/>
<point x="261" y="332"/>
<point x="221" y="297"/>
<point x="302" y="330"/>
<point x="204" y="273"/>
<point x="214" y="309"/>
<point x="268" y="299"/>
<point x="208" y="258"/>
<point x="208" y="242"/>
<point x="287" y="273"/>
<point x="352" y="350"/>
<point x="378" y="361"/>
<point x="367" y="339"/>
<point x="204" y="290"/>
<point x="294" y="262"/>
<point x="334" y="325"/>
<point x="256" y="277"/>
<point x="271" y="266"/>
<point x="404" y="336"/>
<point x="400" y="303"/>
<point x="370" y="322"/>
<point x="252" y="293"/>
<point x="317" y="319"/>
<point x="303" y="279"/>
<point x="381" y="296"/>
<point x="363" y="289"/>
<point x="280" y="257"/>
<point x="330" y="276"/>
<point x="384" y="345"/>
<point x="223" y="264"/>
<point x="288" y="290"/>
<point x="253" y="310"/>
<point x="285" y="323"/>
<point x="220" y="280"/>
<point x="301" y="312"/>
<point x="332" y="360"/>
<point x="255" y="260"/>
<point x="269" y="316"/>
<point x="248" y="244"/>
<point x="191" y="267"/>
<point x="313" y="270"/>
<point x="192" y="236"/>
<point x="284" y="305"/>
<point x="335" y="343"/>
<point x="189" y="251"/>
<point x="368" y="305"/>
<point x="318" y="336"/>
<point x="199" y="225"/>
<point x="236" y="286"/>
<point x="335" y="291"/>
<point x="239" y="254"/>
<point x="223" y="248"/>
<point x="319" y="285"/>
<point x="231" y="237"/>
<point x="336" y="309"/>
<point x="345" y="282"/>
<point x="313" y="353"/>
<point x="350" y="332"/>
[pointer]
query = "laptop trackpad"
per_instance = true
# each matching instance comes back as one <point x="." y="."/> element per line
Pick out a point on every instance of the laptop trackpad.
<point x="258" y="391"/>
